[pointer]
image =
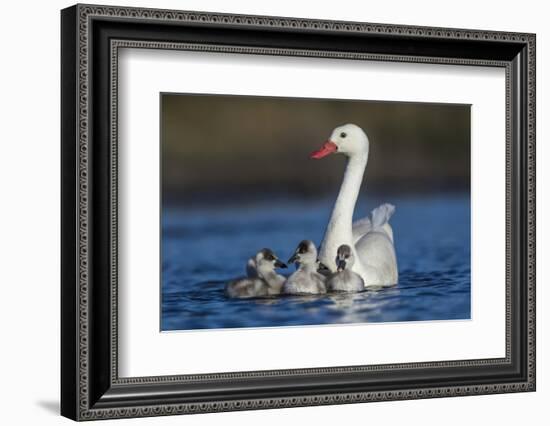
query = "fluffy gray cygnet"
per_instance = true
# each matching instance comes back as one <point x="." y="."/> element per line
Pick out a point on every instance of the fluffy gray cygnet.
<point x="344" y="279"/>
<point x="266" y="282"/>
<point x="306" y="279"/>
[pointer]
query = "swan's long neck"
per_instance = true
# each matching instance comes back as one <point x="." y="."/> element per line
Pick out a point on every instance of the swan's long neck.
<point x="349" y="191"/>
<point x="339" y="229"/>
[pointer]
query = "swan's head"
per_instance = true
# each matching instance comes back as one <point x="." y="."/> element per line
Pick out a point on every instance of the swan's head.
<point x="348" y="139"/>
<point x="267" y="261"/>
<point x="306" y="253"/>
<point x="344" y="257"/>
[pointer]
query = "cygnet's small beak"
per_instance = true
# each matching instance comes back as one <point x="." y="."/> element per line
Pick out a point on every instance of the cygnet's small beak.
<point x="328" y="148"/>
<point x="279" y="264"/>
<point x="293" y="259"/>
<point x="341" y="265"/>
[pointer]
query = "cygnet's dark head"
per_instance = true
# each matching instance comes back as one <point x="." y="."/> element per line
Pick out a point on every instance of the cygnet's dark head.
<point x="344" y="257"/>
<point x="267" y="261"/>
<point x="306" y="253"/>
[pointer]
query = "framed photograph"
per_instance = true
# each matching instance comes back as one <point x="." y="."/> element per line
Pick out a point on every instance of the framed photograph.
<point x="263" y="212"/>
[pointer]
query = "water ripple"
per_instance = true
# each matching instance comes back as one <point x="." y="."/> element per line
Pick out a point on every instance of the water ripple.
<point x="201" y="250"/>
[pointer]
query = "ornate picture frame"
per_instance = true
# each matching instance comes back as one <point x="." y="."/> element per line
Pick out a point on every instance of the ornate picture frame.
<point x="91" y="38"/>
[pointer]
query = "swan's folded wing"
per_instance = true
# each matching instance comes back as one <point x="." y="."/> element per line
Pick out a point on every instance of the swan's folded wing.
<point x="378" y="219"/>
<point x="361" y="227"/>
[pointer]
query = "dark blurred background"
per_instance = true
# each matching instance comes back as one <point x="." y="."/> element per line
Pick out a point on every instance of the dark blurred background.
<point x="218" y="147"/>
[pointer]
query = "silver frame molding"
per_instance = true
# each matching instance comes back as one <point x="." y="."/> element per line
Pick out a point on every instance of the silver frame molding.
<point x="91" y="387"/>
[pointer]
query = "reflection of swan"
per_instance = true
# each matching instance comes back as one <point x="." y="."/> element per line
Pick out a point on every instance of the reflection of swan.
<point x="345" y="279"/>
<point x="372" y="241"/>
<point x="266" y="282"/>
<point x="306" y="280"/>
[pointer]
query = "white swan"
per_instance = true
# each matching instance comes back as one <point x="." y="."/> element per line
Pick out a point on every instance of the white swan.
<point x="345" y="280"/>
<point x="306" y="280"/>
<point x="266" y="282"/>
<point x="372" y="241"/>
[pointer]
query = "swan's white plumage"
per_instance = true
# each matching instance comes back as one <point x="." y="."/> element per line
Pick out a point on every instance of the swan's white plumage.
<point x="371" y="239"/>
<point x="383" y="213"/>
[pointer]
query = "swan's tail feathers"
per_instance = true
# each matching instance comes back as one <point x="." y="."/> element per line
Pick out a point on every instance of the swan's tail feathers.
<point x="381" y="215"/>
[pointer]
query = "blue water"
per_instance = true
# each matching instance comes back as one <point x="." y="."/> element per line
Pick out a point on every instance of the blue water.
<point x="204" y="247"/>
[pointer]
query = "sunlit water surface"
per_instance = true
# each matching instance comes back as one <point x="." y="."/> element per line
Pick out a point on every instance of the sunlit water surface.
<point x="203" y="248"/>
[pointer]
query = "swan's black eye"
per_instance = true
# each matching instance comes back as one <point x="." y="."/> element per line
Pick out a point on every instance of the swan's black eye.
<point x="343" y="134"/>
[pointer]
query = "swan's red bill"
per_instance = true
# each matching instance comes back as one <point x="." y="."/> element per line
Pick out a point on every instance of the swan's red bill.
<point x="327" y="148"/>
